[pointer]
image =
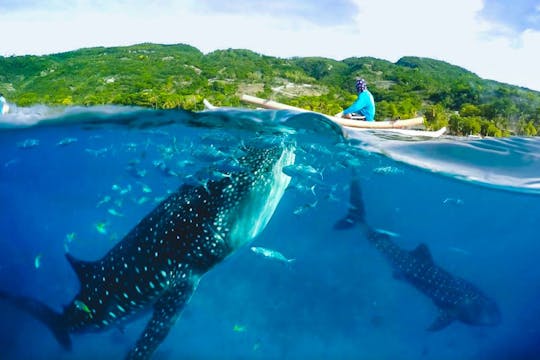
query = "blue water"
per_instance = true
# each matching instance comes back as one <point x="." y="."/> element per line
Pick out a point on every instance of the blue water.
<point x="81" y="179"/>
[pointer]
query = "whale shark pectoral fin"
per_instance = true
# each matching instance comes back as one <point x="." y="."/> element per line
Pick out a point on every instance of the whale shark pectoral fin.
<point x="422" y="253"/>
<point x="443" y="320"/>
<point x="166" y="310"/>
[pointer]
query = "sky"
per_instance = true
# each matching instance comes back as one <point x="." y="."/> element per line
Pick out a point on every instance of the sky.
<point x="496" y="39"/>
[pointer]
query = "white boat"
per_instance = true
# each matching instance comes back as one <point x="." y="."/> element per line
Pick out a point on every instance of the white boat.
<point x="396" y="127"/>
<point x="350" y="127"/>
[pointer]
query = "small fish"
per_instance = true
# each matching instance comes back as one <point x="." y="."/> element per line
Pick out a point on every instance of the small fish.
<point x="37" y="261"/>
<point x="319" y="149"/>
<point x="142" y="200"/>
<point x="195" y="181"/>
<point x="331" y="197"/>
<point x="303" y="208"/>
<point x="353" y="162"/>
<point x="69" y="238"/>
<point x="271" y="254"/>
<point x="131" y="147"/>
<point x="139" y="173"/>
<point x="126" y="190"/>
<point x="113" y="212"/>
<point x="229" y="165"/>
<point x="105" y="200"/>
<point x="211" y="175"/>
<point x="303" y="188"/>
<point x="83" y="307"/>
<point x="389" y="233"/>
<point x="184" y="163"/>
<point x="302" y="171"/>
<point x="454" y="201"/>
<point x="145" y="188"/>
<point x="208" y="154"/>
<point x="239" y="328"/>
<point x="101" y="228"/>
<point x="257" y="345"/>
<point x="28" y="143"/>
<point x="96" y="152"/>
<point x="66" y="141"/>
<point x="159" y="199"/>
<point x="160" y="164"/>
<point x="388" y="170"/>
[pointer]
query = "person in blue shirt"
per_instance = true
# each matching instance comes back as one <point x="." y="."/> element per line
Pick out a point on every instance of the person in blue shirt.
<point x="4" y="108"/>
<point x="364" y="104"/>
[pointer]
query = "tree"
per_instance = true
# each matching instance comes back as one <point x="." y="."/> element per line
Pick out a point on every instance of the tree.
<point x="526" y="128"/>
<point x="471" y="125"/>
<point x="386" y="110"/>
<point x="436" y="116"/>
<point x="470" y="110"/>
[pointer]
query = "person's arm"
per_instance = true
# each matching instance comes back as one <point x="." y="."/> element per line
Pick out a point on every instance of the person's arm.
<point x="356" y="106"/>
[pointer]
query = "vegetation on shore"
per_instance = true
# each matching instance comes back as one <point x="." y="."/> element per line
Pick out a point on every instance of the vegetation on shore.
<point x="180" y="76"/>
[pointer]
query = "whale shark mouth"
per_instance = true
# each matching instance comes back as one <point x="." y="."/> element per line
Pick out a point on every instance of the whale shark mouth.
<point x="261" y="200"/>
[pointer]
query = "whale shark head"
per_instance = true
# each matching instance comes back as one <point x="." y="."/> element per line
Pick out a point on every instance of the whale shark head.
<point x="480" y="310"/>
<point x="255" y="193"/>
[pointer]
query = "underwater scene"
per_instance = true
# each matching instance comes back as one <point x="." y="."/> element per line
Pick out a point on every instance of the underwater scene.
<point x="257" y="234"/>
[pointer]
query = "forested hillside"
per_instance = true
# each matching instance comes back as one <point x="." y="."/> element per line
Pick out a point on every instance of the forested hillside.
<point x="180" y="76"/>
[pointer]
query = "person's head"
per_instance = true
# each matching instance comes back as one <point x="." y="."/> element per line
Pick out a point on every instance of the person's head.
<point x="361" y="85"/>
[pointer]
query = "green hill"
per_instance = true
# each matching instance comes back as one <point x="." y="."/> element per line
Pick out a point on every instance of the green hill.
<point x="173" y="76"/>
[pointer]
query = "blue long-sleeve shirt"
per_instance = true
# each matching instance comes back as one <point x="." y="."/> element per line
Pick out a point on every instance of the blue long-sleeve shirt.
<point x="364" y="105"/>
<point x="2" y="104"/>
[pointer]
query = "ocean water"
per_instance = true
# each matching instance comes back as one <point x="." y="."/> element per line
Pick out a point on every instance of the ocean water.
<point x="80" y="179"/>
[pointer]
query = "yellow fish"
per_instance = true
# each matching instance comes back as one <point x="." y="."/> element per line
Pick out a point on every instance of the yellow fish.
<point x="37" y="261"/>
<point x="83" y="307"/>
<point x="239" y="328"/>
<point x="101" y="228"/>
<point x="114" y="212"/>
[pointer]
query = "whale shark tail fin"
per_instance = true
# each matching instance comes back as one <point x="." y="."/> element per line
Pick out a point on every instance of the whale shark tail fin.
<point x="356" y="215"/>
<point x="43" y="313"/>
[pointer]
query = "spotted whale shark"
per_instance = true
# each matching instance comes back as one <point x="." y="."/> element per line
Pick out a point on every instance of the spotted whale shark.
<point x="455" y="297"/>
<point x="156" y="267"/>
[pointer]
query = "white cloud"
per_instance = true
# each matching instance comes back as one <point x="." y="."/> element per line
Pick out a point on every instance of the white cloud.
<point x="451" y="30"/>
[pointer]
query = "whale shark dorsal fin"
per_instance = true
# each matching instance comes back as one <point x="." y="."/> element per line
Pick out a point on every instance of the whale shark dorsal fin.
<point x="356" y="213"/>
<point x="422" y="253"/>
<point x="81" y="268"/>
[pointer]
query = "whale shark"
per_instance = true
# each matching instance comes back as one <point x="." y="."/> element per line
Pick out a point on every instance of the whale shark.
<point x="455" y="297"/>
<point x="157" y="266"/>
